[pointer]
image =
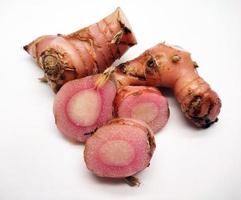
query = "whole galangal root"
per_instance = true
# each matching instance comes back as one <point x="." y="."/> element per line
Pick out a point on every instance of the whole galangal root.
<point x="120" y="149"/>
<point x="142" y="103"/>
<point x="80" y="107"/>
<point x="172" y="67"/>
<point x="85" y="52"/>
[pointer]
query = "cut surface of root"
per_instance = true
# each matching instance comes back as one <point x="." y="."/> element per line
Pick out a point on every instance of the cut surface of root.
<point x="145" y="112"/>
<point x="142" y="103"/>
<point x="110" y="153"/>
<point x="120" y="149"/>
<point x="84" y="107"/>
<point x="80" y="108"/>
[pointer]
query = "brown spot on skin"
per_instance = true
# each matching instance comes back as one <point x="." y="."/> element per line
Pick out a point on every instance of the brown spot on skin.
<point x="122" y="68"/>
<point x="127" y="69"/>
<point x="151" y="69"/>
<point x="127" y="30"/>
<point x="203" y="121"/>
<point x="151" y="63"/>
<point x="190" y="92"/>
<point x="141" y="78"/>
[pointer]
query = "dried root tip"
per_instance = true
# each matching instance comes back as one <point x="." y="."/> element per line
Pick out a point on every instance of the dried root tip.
<point x="132" y="181"/>
<point x="104" y="77"/>
<point x="175" y="58"/>
<point x="44" y="79"/>
<point x="195" y="64"/>
<point x="26" y="47"/>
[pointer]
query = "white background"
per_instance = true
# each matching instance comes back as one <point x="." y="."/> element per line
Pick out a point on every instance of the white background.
<point x="36" y="162"/>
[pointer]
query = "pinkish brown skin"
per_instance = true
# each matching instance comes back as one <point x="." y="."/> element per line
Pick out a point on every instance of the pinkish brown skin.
<point x="119" y="149"/>
<point x="85" y="52"/>
<point x="142" y="103"/>
<point x="80" y="107"/>
<point x="168" y="66"/>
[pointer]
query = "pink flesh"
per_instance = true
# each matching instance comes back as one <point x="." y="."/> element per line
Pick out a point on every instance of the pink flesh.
<point x="63" y="122"/>
<point x="84" y="107"/>
<point x="158" y="103"/>
<point x="134" y="138"/>
<point x="109" y="153"/>
<point x="145" y="111"/>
